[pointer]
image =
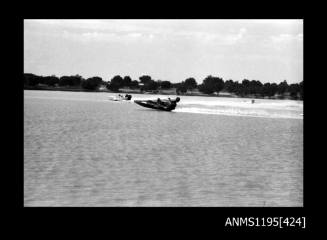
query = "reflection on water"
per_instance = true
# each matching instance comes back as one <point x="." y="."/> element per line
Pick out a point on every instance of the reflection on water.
<point x="82" y="150"/>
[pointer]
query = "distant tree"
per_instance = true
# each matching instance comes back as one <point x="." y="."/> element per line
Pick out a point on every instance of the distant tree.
<point x="64" y="81"/>
<point x="30" y="79"/>
<point x="115" y="83"/>
<point x="255" y="87"/>
<point x="229" y="86"/>
<point x="92" y="83"/>
<point x="282" y="87"/>
<point x="211" y="84"/>
<point x="148" y="83"/>
<point x="41" y="79"/>
<point x="245" y="86"/>
<point x="274" y="89"/>
<point x="269" y="89"/>
<point x="127" y="81"/>
<point x="33" y="80"/>
<point x="190" y="83"/>
<point x="134" y="84"/>
<point x="77" y="80"/>
<point x="165" y="84"/>
<point x="294" y="90"/>
<point x="246" y="83"/>
<point x="180" y="88"/>
<point x="145" y="79"/>
<point x="259" y="87"/>
<point x="175" y="85"/>
<point x="70" y="80"/>
<point x="151" y="85"/>
<point x="238" y="89"/>
<point x="51" y="80"/>
<point x="265" y="89"/>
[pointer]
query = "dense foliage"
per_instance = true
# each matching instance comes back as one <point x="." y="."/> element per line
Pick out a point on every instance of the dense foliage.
<point x="115" y="83"/>
<point x="70" y="80"/>
<point x="190" y="84"/>
<point x="92" y="83"/>
<point x="210" y="85"/>
<point x="165" y="85"/>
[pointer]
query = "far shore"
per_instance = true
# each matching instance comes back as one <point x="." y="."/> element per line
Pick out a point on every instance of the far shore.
<point x="160" y="92"/>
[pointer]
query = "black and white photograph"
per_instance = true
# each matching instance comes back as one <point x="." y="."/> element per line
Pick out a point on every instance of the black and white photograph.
<point x="163" y="113"/>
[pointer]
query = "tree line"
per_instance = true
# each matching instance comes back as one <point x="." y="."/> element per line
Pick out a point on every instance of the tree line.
<point x="209" y="85"/>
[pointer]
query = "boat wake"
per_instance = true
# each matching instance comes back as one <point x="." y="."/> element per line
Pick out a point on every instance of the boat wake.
<point x="266" y="111"/>
<point x="238" y="112"/>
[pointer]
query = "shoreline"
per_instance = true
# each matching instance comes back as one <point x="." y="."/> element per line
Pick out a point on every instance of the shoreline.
<point x="163" y="92"/>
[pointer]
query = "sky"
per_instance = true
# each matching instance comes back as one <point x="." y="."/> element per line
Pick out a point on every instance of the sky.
<point x="173" y="50"/>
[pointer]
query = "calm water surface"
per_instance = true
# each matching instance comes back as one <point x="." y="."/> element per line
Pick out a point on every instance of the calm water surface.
<point x="82" y="150"/>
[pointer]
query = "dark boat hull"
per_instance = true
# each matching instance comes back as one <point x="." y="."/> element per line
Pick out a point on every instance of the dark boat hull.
<point x="154" y="105"/>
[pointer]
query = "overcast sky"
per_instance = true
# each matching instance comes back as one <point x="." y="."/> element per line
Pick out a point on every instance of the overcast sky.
<point x="265" y="50"/>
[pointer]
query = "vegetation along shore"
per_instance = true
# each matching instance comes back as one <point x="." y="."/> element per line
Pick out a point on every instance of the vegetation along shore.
<point x="210" y="86"/>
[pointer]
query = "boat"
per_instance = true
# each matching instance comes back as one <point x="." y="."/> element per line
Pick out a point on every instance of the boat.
<point x="127" y="97"/>
<point x="163" y="105"/>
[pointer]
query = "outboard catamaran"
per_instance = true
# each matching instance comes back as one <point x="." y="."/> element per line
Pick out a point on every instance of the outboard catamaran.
<point x="163" y="105"/>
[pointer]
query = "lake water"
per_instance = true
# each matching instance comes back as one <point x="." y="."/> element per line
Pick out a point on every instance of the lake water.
<point x="80" y="149"/>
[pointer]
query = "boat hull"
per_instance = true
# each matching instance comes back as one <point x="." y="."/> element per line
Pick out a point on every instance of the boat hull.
<point x="154" y="105"/>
